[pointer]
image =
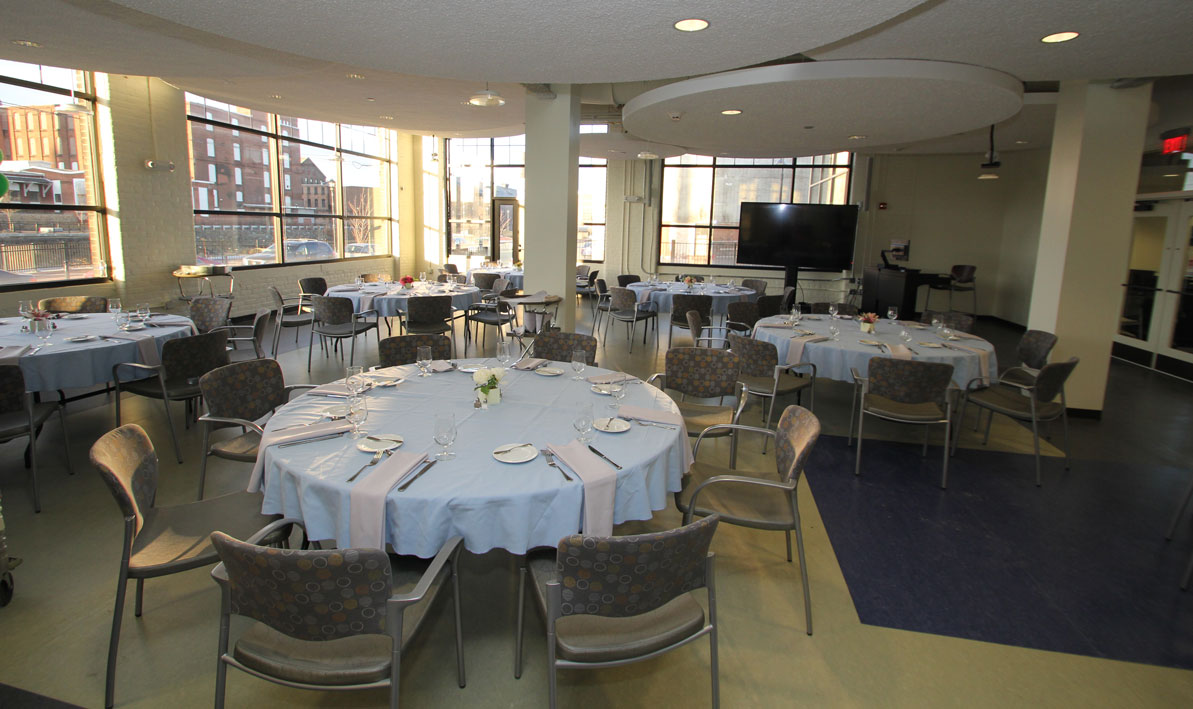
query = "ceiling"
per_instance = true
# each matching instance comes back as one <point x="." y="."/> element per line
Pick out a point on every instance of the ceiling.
<point x="420" y="61"/>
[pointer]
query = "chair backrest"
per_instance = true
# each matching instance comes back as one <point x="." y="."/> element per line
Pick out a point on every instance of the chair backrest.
<point x="695" y="325"/>
<point x="1034" y="348"/>
<point x="125" y="460"/>
<point x="758" y="358"/>
<point x="789" y="294"/>
<point x="484" y="281"/>
<point x="74" y="304"/>
<point x="279" y="303"/>
<point x="627" y="278"/>
<point x="909" y="381"/>
<point x="312" y="285"/>
<point x="952" y="319"/>
<point x="451" y="268"/>
<point x="12" y="389"/>
<point x="1051" y="379"/>
<point x="192" y="357"/>
<point x="308" y="594"/>
<point x="592" y="277"/>
<point x="743" y="312"/>
<point x="602" y="288"/>
<point x="373" y="277"/>
<point x="244" y="390"/>
<point x="330" y="310"/>
<point x="618" y="577"/>
<point x="962" y="273"/>
<point x="208" y="313"/>
<point x="559" y="346"/>
<point x="403" y="349"/>
<point x="794" y="440"/>
<point x="501" y="284"/>
<point x="702" y="372"/>
<point x="428" y="308"/>
<point x="756" y="284"/>
<point x="582" y="270"/>
<point x="445" y="277"/>
<point x="622" y="299"/>
<point x="847" y="309"/>
<point x="769" y="305"/>
<point x="261" y="322"/>
<point x="681" y="303"/>
<point x="820" y="308"/>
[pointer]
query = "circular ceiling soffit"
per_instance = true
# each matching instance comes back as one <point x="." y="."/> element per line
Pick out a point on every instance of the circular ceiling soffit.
<point x="620" y="146"/>
<point x="887" y="101"/>
<point x="514" y="40"/>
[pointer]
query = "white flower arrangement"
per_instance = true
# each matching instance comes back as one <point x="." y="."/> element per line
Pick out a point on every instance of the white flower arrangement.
<point x="487" y="381"/>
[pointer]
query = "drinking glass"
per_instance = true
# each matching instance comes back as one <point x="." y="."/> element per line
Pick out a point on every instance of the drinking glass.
<point x="113" y="306"/>
<point x="834" y="332"/>
<point x="712" y="280"/>
<point x="503" y="353"/>
<point x="936" y="325"/>
<point x="832" y="310"/>
<point x="583" y="423"/>
<point x="892" y="313"/>
<point x="143" y="312"/>
<point x="359" y="281"/>
<point x="946" y="332"/>
<point x="579" y="361"/>
<point x="24" y="307"/>
<point x="358" y="413"/>
<point x="424" y="361"/>
<point x="797" y="311"/>
<point x="43" y="329"/>
<point x="445" y="435"/>
<point x="422" y="276"/>
<point x="617" y="392"/>
<point x="123" y="320"/>
<point x="354" y="382"/>
<point x="905" y="335"/>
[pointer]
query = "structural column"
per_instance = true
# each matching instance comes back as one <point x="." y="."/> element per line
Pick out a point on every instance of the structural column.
<point x="552" y="180"/>
<point x="1085" y="230"/>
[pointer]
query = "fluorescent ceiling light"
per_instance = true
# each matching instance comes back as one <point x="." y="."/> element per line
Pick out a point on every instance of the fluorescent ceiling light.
<point x="1057" y="37"/>
<point x="731" y="112"/>
<point x="858" y="137"/>
<point x="358" y="77"/>
<point x="988" y="176"/>
<point x="647" y="155"/>
<point x="693" y="24"/>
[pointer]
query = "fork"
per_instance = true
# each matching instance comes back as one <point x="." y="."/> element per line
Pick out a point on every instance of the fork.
<point x="551" y="462"/>
<point x="640" y="422"/>
<point x="376" y="459"/>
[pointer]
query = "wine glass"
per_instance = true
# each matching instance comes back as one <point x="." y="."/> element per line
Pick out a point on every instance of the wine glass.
<point x="422" y="276"/>
<point x="445" y="435"/>
<point x="946" y="332"/>
<point x="583" y="423"/>
<point x="424" y="361"/>
<point x="832" y="310"/>
<point x="24" y="307"/>
<point x="503" y="353"/>
<point x="43" y="329"/>
<point x="579" y="361"/>
<point x="113" y="306"/>
<point x="892" y="313"/>
<point x="358" y="413"/>
<point x="143" y="312"/>
<point x="354" y="382"/>
<point x="834" y="332"/>
<point x="936" y="325"/>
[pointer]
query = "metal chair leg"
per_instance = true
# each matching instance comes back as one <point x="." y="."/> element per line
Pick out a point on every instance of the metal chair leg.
<point x="521" y="619"/>
<point x="114" y="640"/>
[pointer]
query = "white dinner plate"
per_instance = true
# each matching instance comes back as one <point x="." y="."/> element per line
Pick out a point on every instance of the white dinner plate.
<point x="810" y="317"/>
<point x="875" y="343"/>
<point x="930" y="344"/>
<point x="336" y="412"/>
<point x="135" y="326"/>
<point x="803" y="332"/>
<point x="74" y="316"/>
<point x="548" y="371"/>
<point x="515" y="453"/>
<point x="388" y="441"/>
<point x="611" y="425"/>
<point x="82" y="338"/>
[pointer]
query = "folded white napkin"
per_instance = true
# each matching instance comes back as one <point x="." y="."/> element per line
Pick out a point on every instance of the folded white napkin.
<point x="610" y="378"/>
<point x="273" y="438"/>
<point x="146" y="346"/>
<point x="795" y="350"/>
<point x="530" y="363"/>
<point x="440" y="365"/>
<point x="670" y="418"/>
<point x="11" y="354"/>
<point x="899" y="351"/>
<point x="366" y="526"/>
<point x="983" y="358"/>
<point x="965" y="335"/>
<point x="338" y="388"/>
<point x="600" y="484"/>
<point x="178" y="320"/>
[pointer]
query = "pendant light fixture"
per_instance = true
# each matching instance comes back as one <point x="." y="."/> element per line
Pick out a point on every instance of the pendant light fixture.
<point x="75" y="107"/>
<point x="486" y="98"/>
<point x="992" y="161"/>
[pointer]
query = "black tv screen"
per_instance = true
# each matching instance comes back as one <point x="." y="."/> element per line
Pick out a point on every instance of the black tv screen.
<point x="812" y="237"/>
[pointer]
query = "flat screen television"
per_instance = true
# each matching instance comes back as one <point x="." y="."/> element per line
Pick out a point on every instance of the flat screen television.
<point x="809" y="237"/>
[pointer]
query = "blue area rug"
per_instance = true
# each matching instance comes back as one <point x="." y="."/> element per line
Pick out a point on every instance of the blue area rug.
<point x="1079" y="565"/>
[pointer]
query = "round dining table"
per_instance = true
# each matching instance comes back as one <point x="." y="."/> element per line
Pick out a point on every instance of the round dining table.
<point x="63" y="364"/>
<point x="835" y="359"/>
<point x="660" y="294"/>
<point x="491" y="504"/>
<point x="389" y="299"/>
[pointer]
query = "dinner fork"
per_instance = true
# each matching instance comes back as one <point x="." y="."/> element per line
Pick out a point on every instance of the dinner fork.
<point x="640" y="422"/>
<point x="551" y="462"/>
<point x="376" y="459"/>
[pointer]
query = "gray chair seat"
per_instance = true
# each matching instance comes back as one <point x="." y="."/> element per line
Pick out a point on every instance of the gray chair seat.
<point x="1018" y="375"/>
<point x="882" y="406"/>
<point x="698" y="417"/>
<point x="344" y="329"/>
<point x="16" y="423"/>
<point x="490" y="317"/>
<point x="738" y="503"/>
<point x="1011" y="402"/>
<point x="178" y="538"/>
<point x="151" y="387"/>
<point x="296" y="319"/>
<point x="788" y="384"/>
<point x="591" y="638"/>
<point x="242" y="448"/>
<point x="633" y="315"/>
<point x="429" y="328"/>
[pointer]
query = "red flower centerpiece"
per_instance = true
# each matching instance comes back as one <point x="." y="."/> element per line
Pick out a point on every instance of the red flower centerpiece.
<point x="407" y="281"/>
<point x="867" y="321"/>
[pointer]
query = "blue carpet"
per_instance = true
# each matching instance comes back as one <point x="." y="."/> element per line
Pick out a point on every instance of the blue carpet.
<point x="1078" y="566"/>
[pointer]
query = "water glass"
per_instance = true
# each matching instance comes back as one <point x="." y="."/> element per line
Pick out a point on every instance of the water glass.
<point x="445" y="435"/>
<point x="143" y="312"/>
<point x="892" y="313"/>
<point x="936" y="325"/>
<point x="834" y="332"/>
<point x="123" y="320"/>
<point x="946" y="332"/>
<point x="797" y="311"/>
<point x="579" y="361"/>
<point x="617" y="392"/>
<point x="358" y="413"/>
<point x="832" y="310"/>
<point x="113" y="306"/>
<point x="43" y="329"/>
<point x="905" y="335"/>
<point x="354" y="382"/>
<point x="503" y="353"/>
<point x="422" y="276"/>
<point x="424" y="361"/>
<point x="24" y="307"/>
<point x="583" y="423"/>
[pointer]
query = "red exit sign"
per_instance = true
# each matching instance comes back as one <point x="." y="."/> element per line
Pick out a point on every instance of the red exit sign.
<point x="1174" y="141"/>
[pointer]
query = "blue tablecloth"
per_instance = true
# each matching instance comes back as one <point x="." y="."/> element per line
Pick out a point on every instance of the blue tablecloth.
<point x="491" y="504"/>
<point x="660" y="294"/>
<point x="389" y="300"/>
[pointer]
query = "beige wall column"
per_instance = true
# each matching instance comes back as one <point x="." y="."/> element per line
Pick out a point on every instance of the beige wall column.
<point x="1085" y="231"/>
<point x="552" y="179"/>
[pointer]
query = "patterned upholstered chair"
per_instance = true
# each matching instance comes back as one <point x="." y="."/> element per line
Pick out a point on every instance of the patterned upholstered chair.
<point x="1035" y="403"/>
<point x="340" y="620"/>
<point x="742" y="316"/>
<point x="403" y="349"/>
<point x="847" y="309"/>
<point x="333" y="318"/>
<point x="588" y="287"/>
<point x="764" y="377"/>
<point x="23" y="417"/>
<point x="625" y="279"/>
<point x="184" y="360"/>
<point x="756" y="284"/>
<point x="209" y="313"/>
<point x="705" y="373"/>
<point x="681" y="303"/>
<point x="74" y="304"/>
<point x="756" y="500"/>
<point x="288" y="313"/>
<point x="771" y="305"/>
<point x="1033" y="350"/>
<point x="952" y="320"/>
<point x="559" y="346"/>
<point x="582" y="270"/>
<point x="239" y="394"/>
<point x="374" y="277"/>
<point x="609" y="601"/>
<point x="624" y="307"/>
<point x="907" y="391"/>
<point x="159" y="541"/>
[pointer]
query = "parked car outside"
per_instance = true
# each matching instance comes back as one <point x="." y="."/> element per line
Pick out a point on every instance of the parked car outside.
<point x="296" y="250"/>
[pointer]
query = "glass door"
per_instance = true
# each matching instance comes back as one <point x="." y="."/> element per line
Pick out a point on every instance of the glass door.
<point x="506" y="238"/>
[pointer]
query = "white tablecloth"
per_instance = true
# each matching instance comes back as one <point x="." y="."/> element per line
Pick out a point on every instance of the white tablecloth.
<point x="513" y="275"/>
<point x="660" y="294"/>
<point x="70" y="365"/>
<point x="833" y="360"/>
<point x="389" y="300"/>
<point x="491" y="504"/>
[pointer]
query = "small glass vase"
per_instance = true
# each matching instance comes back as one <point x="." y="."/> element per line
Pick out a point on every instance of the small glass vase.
<point x="867" y="327"/>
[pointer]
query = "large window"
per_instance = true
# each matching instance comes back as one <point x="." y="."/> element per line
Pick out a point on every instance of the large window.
<point x="320" y="190"/>
<point x="51" y="217"/>
<point x="702" y="199"/>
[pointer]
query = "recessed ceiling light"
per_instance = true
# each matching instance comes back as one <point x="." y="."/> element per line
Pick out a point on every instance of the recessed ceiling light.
<point x="1059" y="37"/>
<point x="26" y="43"/>
<point x="276" y="97"/>
<point x="1172" y="175"/>
<point x="731" y="112"/>
<point x="988" y="176"/>
<point x="386" y="117"/>
<point x="1022" y="142"/>
<point x="358" y="77"/>
<point x="858" y="137"/>
<point x="647" y="155"/>
<point x="370" y="99"/>
<point x="694" y="24"/>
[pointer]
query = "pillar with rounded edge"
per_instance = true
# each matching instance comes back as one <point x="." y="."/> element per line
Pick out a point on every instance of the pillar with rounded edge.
<point x="1085" y="230"/>
<point x="552" y="177"/>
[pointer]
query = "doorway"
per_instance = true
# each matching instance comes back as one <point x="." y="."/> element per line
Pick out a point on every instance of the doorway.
<point x="506" y="241"/>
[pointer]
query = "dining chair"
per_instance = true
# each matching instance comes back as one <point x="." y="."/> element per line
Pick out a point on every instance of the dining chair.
<point x="374" y="277"/>
<point x="311" y="285"/>
<point x="350" y="634"/>
<point x="159" y="541"/>
<point x="771" y="305"/>
<point x="208" y="313"/>
<point x="742" y="316"/>
<point x="603" y="303"/>
<point x="763" y="376"/>
<point x="681" y="303"/>
<point x="952" y="320"/>
<point x="74" y="304"/>
<point x="403" y="349"/>
<point x="494" y="310"/>
<point x="184" y="360"/>
<point x="588" y="288"/>
<point x="288" y="312"/>
<point x="429" y="315"/>
<point x="604" y="610"/>
<point x="22" y="416"/>
<point x="961" y="279"/>
<point x="697" y="328"/>
<point x="252" y="335"/>
<point x="451" y="268"/>
<point x="240" y="394"/>
<point x="559" y="346"/>
<point x="625" y="279"/>
<point x="1033" y="403"/>
<point x="625" y="307"/>
<point x="907" y="391"/>
<point x="333" y="318"/>
<point x="582" y="270"/>
<point x="1033" y="350"/>
<point x="704" y="373"/>
<point x="755" y="501"/>
<point x="485" y="281"/>
<point x="755" y="284"/>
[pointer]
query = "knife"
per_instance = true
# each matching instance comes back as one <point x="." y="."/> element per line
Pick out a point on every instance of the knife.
<point x="417" y="475"/>
<point x="312" y="440"/>
<point x="604" y="457"/>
